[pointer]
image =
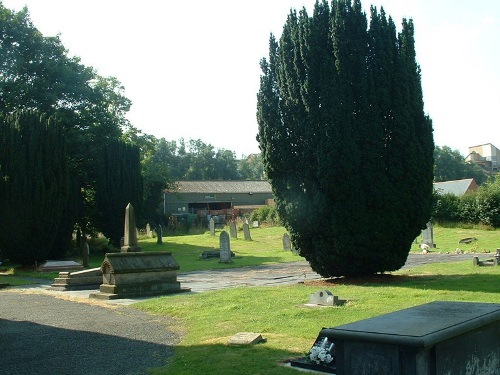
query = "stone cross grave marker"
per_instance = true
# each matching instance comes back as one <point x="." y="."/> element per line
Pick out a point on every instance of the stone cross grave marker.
<point x="246" y="232"/>
<point x="130" y="233"/>
<point x="212" y="226"/>
<point x="232" y="229"/>
<point x="287" y="245"/>
<point x="159" y="234"/>
<point x="428" y="236"/>
<point x="225" y="248"/>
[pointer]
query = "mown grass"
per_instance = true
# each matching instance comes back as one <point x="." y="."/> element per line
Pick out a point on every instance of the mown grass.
<point x="209" y="319"/>
<point x="265" y="248"/>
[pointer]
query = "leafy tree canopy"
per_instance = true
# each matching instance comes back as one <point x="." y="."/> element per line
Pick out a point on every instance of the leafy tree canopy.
<point x="451" y="165"/>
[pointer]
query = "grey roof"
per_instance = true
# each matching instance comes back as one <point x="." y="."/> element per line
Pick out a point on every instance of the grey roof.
<point x="455" y="187"/>
<point x="222" y="187"/>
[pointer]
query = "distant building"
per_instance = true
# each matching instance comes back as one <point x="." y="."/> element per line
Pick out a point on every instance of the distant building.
<point x="456" y="187"/>
<point x="214" y="197"/>
<point x="485" y="156"/>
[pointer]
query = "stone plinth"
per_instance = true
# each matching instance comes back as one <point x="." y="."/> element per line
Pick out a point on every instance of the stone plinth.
<point x="126" y="275"/>
<point x="437" y="338"/>
<point x="80" y="280"/>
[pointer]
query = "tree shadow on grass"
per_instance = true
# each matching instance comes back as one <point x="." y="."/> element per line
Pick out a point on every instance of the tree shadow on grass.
<point x="487" y="283"/>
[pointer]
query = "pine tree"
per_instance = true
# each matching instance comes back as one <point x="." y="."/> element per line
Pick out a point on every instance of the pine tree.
<point x="344" y="138"/>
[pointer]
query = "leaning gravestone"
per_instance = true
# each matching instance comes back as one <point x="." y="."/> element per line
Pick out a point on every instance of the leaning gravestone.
<point x="246" y="232"/>
<point x="232" y="229"/>
<point x="212" y="226"/>
<point x="225" y="248"/>
<point x="428" y="236"/>
<point x="287" y="245"/>
<point x="159" y="234"/>
<point x="130" y="244"/>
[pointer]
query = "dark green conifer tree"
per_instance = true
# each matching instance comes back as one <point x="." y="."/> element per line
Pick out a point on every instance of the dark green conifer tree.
<point x="119" y="184"/>
<point x="344" y="138"/>
<point x="34" y="185"/>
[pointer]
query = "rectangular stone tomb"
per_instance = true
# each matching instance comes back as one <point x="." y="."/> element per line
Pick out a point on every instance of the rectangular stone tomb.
<point x="436" y="338"/>
<point x="126" y="275"/>
<point x="80" y="280"/>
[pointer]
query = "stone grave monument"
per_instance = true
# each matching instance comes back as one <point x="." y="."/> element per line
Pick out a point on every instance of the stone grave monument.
<point x="428" y="236"/>
<point x="232" y="229"/>
<point x="159" y="234"/>
<point x="135" y="273"/>
<point x="439" y="338"/>
<point x="149" y="234"/>
<point x="78" y="280"/>
<point x="246" y="232"/>
<point x="138" y="274"/>
<point x="287" y="245"/>
<point x="324" y="298"/>
<point x="211" y="225"/>
<point x="130" y="244"/>
<point x="225" y="248"/>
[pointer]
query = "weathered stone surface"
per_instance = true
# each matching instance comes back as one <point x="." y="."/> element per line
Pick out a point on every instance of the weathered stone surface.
<point x="80" y="280"/>
<point x="287" y="245"/>
<point x="138" y="274"/>
<point x="130" y="243"/>
<point x="232" y="229"/>
<point x="324" y="298"/>
<point x="225" y="248"/>
<point x="245" y="338"/>
<point x="428" y="236"/>
<point x="246" y="232"/>
<point x="211" y="224"/>
<point x="60" y="265"/>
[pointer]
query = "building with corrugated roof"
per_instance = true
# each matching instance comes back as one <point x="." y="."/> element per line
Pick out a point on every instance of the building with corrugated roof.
<point x="210" y="197"/>
<point x="456" y="187"/>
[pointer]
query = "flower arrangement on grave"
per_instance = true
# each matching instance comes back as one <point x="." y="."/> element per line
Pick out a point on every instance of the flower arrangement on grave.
<point x="320" y="355"/>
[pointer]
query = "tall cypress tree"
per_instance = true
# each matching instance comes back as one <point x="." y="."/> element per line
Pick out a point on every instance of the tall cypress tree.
<point x="344" y="138"/>
<point x="119" y="184"/>
<point x="34" y="185"/>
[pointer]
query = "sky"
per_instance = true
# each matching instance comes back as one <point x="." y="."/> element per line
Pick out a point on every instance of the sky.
<point x="191" y="68"/>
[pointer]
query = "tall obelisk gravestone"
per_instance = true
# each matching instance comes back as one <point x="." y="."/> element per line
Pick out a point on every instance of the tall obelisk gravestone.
<point x="130" y="244"/>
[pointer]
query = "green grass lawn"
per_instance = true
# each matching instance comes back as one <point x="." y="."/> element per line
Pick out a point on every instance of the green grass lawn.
<point x="265" y="248"/>
<point x="209" y="319"/>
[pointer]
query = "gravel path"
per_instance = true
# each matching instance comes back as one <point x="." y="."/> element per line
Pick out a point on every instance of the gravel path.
<point x="40" y="334"/>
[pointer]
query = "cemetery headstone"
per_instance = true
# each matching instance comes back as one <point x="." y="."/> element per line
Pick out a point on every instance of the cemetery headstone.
<point x="287" y="245"/>
<point x="255" y="224"/>
<point x="325" y="298"/>
<point x="428" y="236"/>
<point x="85" y="252"/>
<point x="246" y="232"/>
<point x="232" y="229"/>
<point x="212" y="226"/>
<point x="225" y="248"/>
<point x="130" y="236"/>
<point x="159" y="234"/>
<point x="149" y="234"/>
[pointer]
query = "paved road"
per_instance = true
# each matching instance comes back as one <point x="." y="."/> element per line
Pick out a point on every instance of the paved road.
<point x="40" y="334"/>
